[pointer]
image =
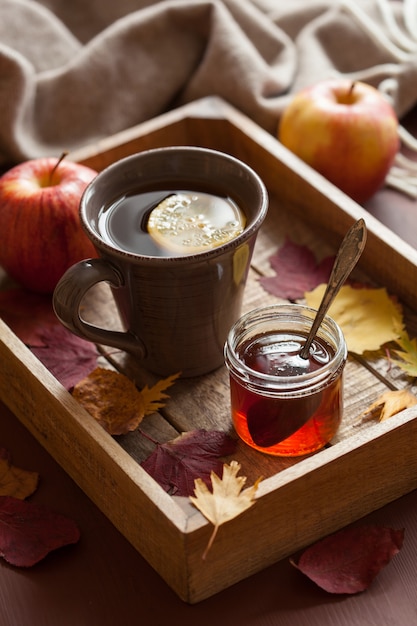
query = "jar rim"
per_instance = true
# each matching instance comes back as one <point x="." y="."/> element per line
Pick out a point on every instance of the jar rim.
<point x="246" y="326"/>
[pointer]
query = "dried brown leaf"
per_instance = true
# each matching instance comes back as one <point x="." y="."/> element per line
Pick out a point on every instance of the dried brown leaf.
<point x="153" y="398"/>
<point x="14" y="481"/>
<point x="388" y="404"/>
<point x="112" y="399"/>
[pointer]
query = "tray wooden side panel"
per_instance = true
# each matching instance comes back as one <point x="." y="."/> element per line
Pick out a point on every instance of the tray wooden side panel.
<point x="173" y="128"/>
<point x="149" y="518"/>
<point x="303" y="503"/>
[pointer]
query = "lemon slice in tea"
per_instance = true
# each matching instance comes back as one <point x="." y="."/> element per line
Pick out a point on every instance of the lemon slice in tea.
<point x="190" y="222"/>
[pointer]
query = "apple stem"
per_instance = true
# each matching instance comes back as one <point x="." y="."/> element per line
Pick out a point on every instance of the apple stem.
<point x="351" y="88"/>
<point x="53" y="170"/>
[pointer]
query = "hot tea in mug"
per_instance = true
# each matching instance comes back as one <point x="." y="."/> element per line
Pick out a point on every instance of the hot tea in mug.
<point x="174" y="229"/>
<point x="170" y="222"/>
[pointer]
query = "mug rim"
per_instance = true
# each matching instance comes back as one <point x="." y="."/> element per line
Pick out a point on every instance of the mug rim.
<point x="204" y="255"/>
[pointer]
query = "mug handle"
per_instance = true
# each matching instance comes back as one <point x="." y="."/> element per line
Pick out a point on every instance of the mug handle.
<point x="68" y="295"/>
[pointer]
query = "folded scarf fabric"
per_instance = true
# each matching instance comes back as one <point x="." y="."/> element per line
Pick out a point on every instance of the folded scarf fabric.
<point x="75" y="72"/>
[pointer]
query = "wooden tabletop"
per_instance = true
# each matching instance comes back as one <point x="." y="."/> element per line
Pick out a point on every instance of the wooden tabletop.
<point x="103" y="581"/>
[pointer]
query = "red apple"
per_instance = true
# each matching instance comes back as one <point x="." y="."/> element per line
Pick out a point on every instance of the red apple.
<point x="345" y="130"/>
<point x="40" y="231"/>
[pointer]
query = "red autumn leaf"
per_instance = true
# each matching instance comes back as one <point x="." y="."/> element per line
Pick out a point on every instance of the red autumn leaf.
<point x="28" y="532"/>
<point x="68" y="357"/>
<point x="296" y="271"/>
<point x="176" y="464"/>
<point x="348" y="561"/>
<point x="27" y="314"/>
<point x="31" y="317"/>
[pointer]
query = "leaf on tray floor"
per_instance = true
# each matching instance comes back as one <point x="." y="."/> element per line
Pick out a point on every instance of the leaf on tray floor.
<point x="226" y="500"/>
<point x="112" y="399"/>
<point x="348" y="561"/>
<point x="68" y="357"/>
<point x="14" y="481"/>
<point x="27" y="314"/>
<point x="176" y="464"/>
<point x="407" y="356"/>
<point x="296" y="271"/>
<point x="388" y="404"/>
<point x="153" y="397"/>
<point x="28" y="532"/>
<point x="369" y="318"/>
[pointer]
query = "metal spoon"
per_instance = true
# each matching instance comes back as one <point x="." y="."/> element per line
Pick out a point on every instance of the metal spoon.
<point x="271" y="422"/>
<point x="347" y="256"/>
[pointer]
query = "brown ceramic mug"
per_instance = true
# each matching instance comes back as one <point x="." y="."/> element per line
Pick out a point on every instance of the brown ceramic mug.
<point x="177" y="310"/>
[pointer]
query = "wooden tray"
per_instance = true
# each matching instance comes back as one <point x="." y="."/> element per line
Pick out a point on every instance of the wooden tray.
<point x="299" y="500"/>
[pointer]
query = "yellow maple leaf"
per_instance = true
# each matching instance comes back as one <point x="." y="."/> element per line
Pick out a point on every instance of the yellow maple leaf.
<point x="369" y="318"/>
<point x="16" y="482"/>
<point x="388" y="404"/>
<point x="226" y="501"/>
<point x="407" y="360"/>
<point x="153" y="397"/>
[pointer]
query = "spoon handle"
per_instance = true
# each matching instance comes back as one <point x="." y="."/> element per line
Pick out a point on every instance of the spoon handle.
<point x="347" y="256"/>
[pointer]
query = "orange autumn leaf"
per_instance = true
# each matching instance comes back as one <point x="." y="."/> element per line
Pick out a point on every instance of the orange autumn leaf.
<point x="388" y="404"/>
<point x="115" y="402"/>
<point x="15" y="482"/>
<point x="369" y="318"/>
<point x="226" y="501"/>
<point x="154" y="397"/>
<point x="112" y="399"/>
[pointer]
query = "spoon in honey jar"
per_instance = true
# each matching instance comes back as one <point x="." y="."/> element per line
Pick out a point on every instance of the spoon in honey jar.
<point x="270" y="423"/>
<point x="346" y="259"/>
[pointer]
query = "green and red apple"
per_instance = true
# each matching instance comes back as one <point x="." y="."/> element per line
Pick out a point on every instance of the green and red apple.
<point x="347" y="131"/>
<point x="40" y="230"/>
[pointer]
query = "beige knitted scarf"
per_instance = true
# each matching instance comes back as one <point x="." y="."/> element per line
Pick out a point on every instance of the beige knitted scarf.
<point x="74" y="72"/>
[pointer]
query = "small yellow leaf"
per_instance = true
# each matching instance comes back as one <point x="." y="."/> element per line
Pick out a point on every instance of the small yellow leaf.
<point x="153" y="397"/>
<point x="226" y="501"/>
<point x="16" y="482"/>
<point x="369" y="318"/>
<point x="388" y="404"/>
<point x="407" y="355"/>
